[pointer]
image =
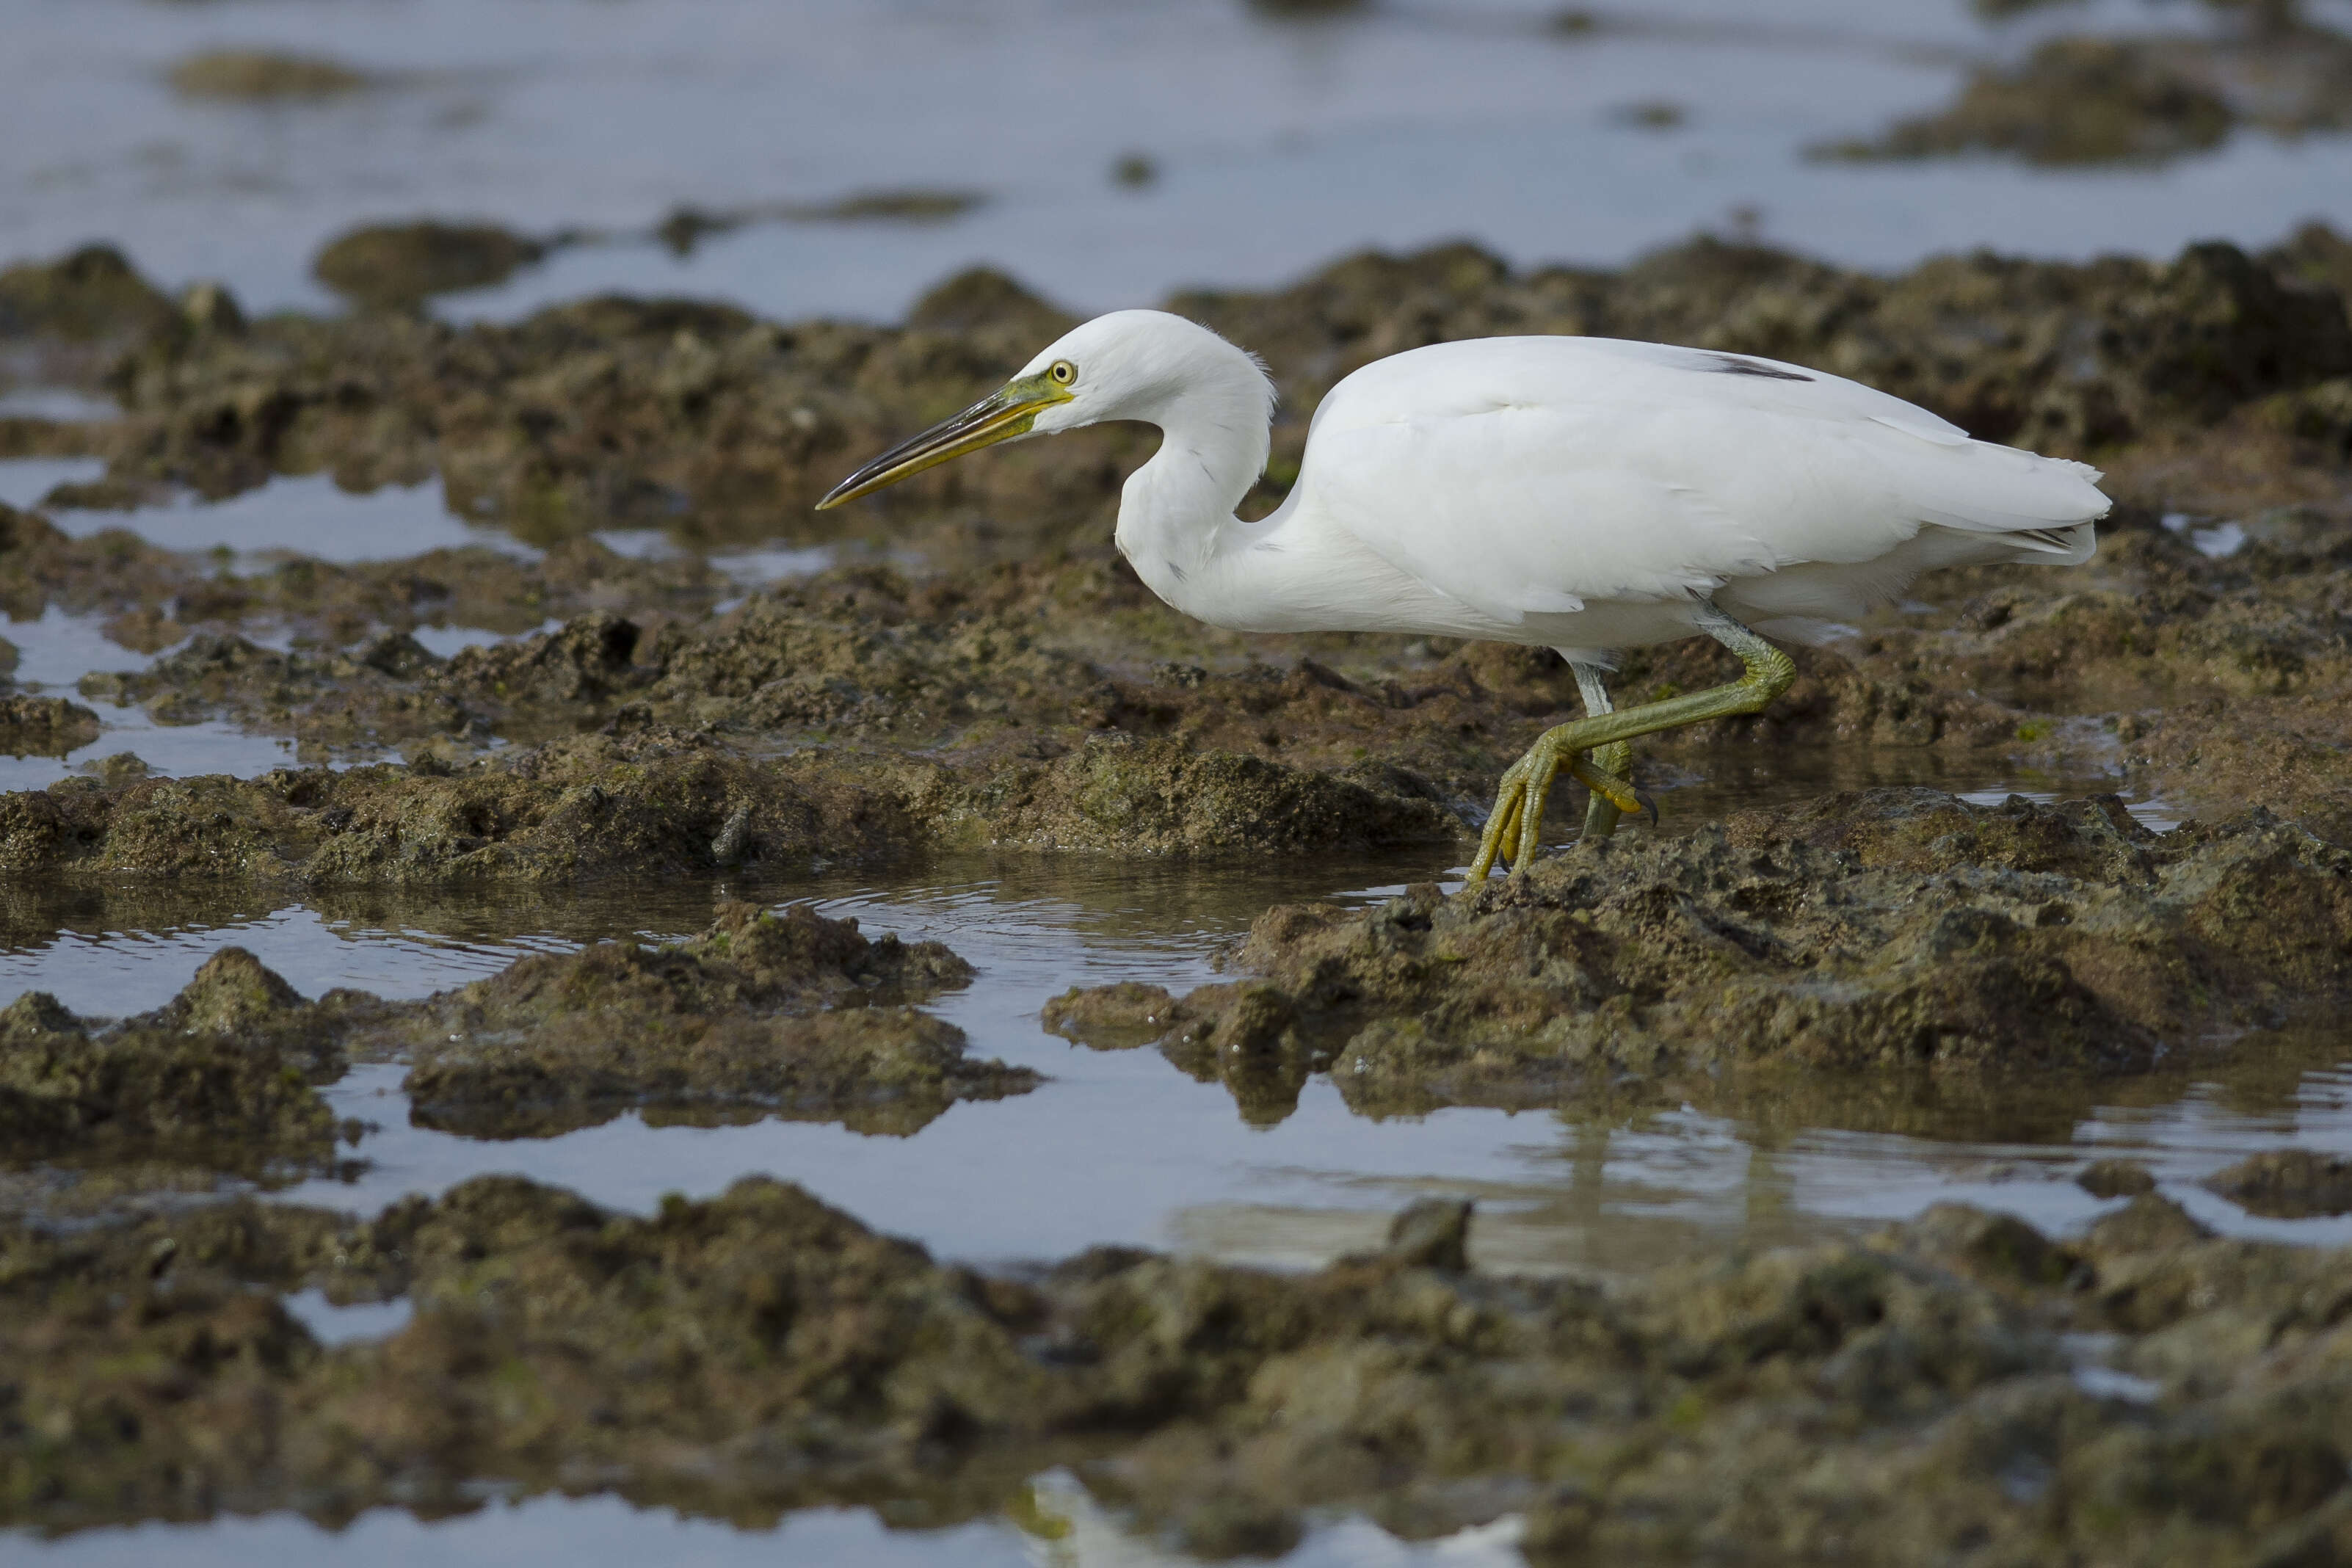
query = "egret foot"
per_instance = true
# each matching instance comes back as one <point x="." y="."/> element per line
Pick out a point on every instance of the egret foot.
<point x="1602" y="813"/>
<point x="1518" y="817"/>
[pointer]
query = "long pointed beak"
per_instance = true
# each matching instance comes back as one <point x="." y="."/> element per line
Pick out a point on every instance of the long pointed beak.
<point x="1000" y="417"/>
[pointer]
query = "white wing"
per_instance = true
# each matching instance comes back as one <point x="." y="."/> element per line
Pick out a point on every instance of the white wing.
<point x="1527" y="476"/>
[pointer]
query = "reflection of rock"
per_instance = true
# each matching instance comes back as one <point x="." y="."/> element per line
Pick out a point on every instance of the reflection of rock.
<point x="1923" y="1390"/>
<point x="1893" y="932"/>
<point x="797" y="1016"/>
<point x="44" y="726"/>
<point x="399" y="264"/>
<point x="2288" y="1184"/>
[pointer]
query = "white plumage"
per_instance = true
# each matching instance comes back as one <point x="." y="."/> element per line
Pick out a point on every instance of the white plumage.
<point x="1579" y="493"/>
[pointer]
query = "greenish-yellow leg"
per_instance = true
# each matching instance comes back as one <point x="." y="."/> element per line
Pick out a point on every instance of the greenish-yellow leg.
<point x="1600" y="813"/>
<point x="1518" y="817"/>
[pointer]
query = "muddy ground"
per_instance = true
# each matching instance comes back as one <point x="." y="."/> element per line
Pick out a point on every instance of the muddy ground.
<point x="982" y="670"/>
<point x="1960" y="1389"/>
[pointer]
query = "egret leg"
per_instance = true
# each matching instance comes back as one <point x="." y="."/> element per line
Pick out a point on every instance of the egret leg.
<point x="1519" y="804"/>
<point x="1600" y="813"/>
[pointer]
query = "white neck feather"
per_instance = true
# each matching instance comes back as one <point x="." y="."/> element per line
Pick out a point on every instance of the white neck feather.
<point x="1176" y="513"/>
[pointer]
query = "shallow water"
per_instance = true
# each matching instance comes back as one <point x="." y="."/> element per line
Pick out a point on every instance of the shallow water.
<point x="308" y="516"/>
<point x="1065" y="1529"/>
<point x="1277" y="144"/>
<point x="1120" y="1147"/>
<point x="24" y="480"/>
<point x="56" y="650"/>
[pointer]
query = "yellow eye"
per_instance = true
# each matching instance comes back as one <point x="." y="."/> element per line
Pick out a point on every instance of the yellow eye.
<point x="1062" y="372"/>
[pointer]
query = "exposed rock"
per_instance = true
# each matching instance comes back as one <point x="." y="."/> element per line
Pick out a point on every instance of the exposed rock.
<point x="2073" y="101"/>
<point x="2138" y="100"/>
<point x="400" y="264"/>
<point x="224" y="1074"/>
<point x="760" y="1352"/>
<point x="1893" y="932"/>
<point x="89" y="296"/>
<point x="2116" y="1179"/>
<point x="259" y="74"/>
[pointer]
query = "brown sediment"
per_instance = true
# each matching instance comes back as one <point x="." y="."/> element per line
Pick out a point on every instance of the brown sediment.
<point x="1903" y="934"/>
<point x="1924" y="1390"/>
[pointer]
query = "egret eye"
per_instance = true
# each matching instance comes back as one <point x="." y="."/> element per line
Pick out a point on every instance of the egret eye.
<point x="1062" y="372"/>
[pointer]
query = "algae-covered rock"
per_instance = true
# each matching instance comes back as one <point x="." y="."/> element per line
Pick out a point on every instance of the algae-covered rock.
<point x="1899" y="932"/>
<point x="794" y="1015"/>
<point x="611" y="413"/>
<point x="92" y="295"/>
<point x="400" y="264"/>
<point x="2073" y="101"/>
<point x="1916" y="1389"/>
<point x="2147" y="99"/>
<point x="261" y="75"/>
<point x="224" y="1074"/>
<point x="1160" y="797"/>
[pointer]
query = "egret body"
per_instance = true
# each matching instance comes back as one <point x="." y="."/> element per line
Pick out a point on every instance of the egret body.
<point x="1584" y="494"/>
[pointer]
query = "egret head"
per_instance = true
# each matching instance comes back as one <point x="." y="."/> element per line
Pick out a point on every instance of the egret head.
<point x="1129" y="365"/>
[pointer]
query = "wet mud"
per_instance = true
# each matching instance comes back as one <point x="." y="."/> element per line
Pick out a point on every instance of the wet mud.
<point x="1961" y="1388"/>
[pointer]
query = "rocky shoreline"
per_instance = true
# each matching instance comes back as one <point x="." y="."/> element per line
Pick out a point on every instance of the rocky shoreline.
<point x="979" y="671"/>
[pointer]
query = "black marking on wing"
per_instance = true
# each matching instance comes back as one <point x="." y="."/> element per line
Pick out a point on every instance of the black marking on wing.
<point x="2056" y="538"/>
<point x="1732" y="364"/>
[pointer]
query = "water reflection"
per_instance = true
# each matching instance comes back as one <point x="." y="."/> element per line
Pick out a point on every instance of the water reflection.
<point x="1120" y="1147"/>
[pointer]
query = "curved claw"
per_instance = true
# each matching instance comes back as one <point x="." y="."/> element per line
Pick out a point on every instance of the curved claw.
<point x="1647" y="804"/>
<point x="1616" y="791"/>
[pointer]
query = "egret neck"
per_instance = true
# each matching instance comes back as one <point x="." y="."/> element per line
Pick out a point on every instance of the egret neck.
<point x="1176" y="521"/>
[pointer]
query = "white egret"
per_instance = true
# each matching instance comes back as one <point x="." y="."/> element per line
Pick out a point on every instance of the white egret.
<point x="1584" y="494"/>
